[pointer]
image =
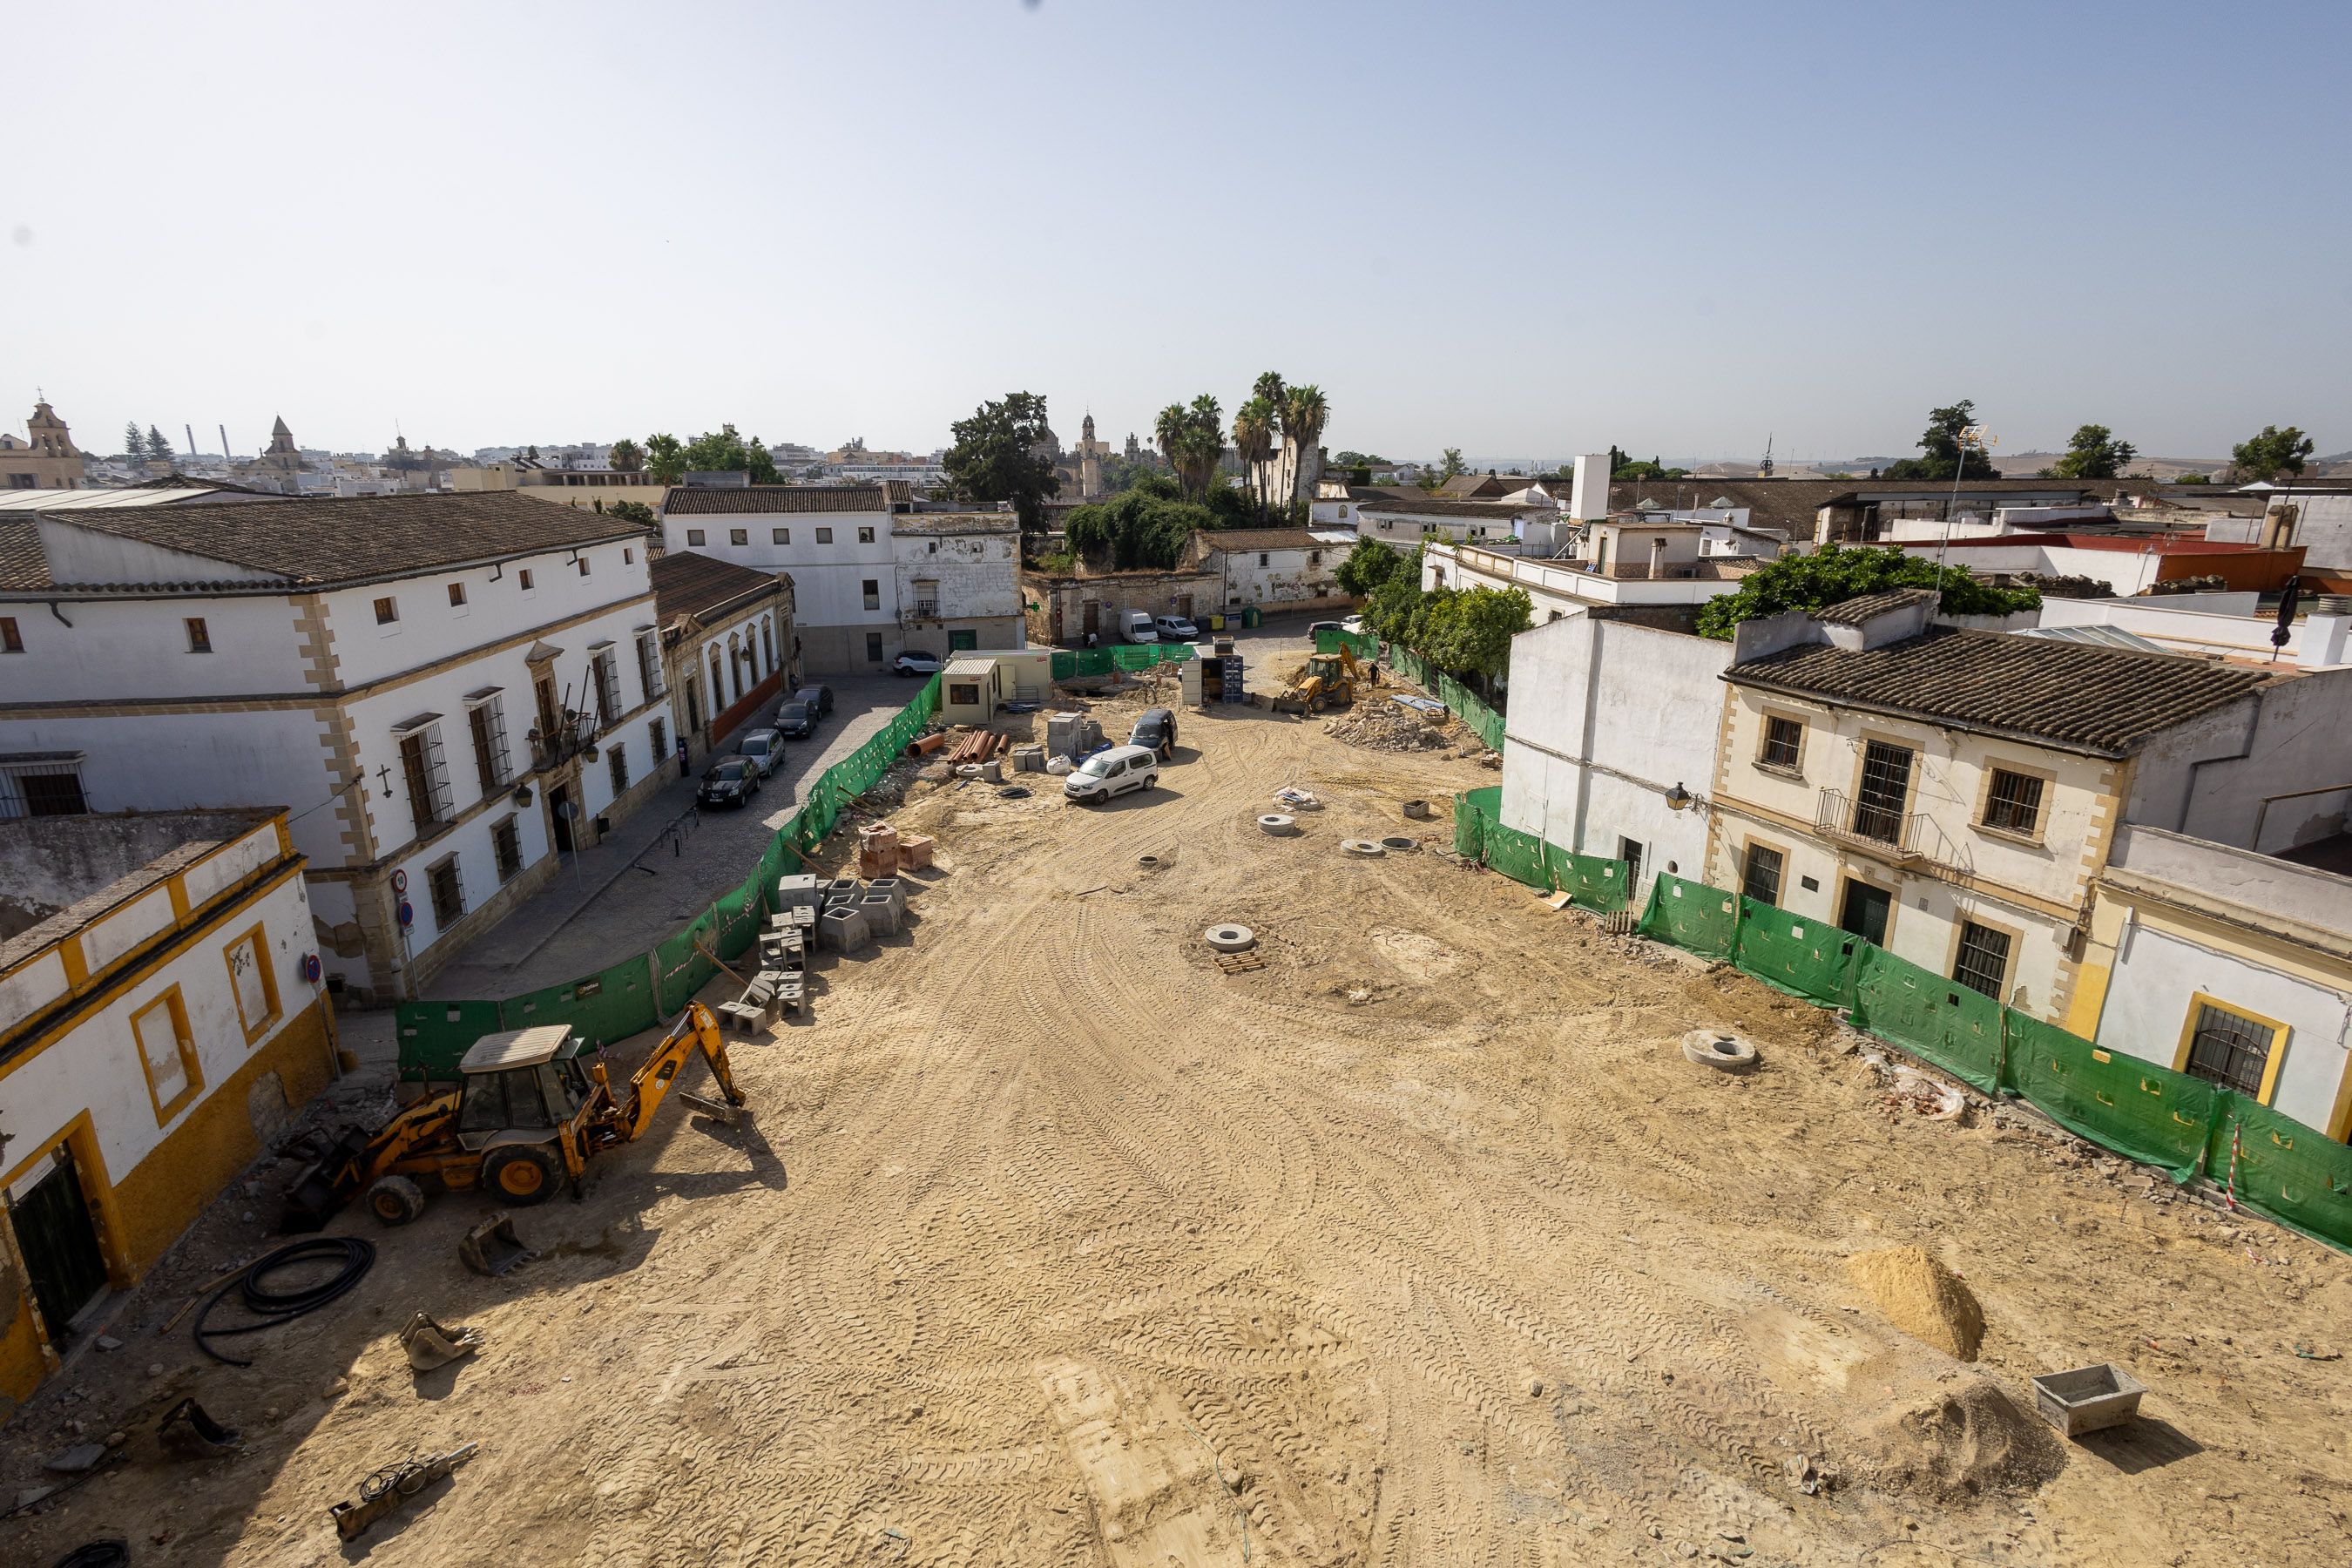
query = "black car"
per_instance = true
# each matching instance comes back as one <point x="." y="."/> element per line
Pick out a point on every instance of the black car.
<point x="819" y="698"/>
<point x="732" y="783"/>
<point x="1156" y="730"/>
<point x="797" y="719"/>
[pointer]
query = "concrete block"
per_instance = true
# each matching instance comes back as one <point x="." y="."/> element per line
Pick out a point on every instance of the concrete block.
<point x="842" y="885"/>
<point x="799" y="891"/>
<point x="844" y="930"/>
<point x="897" y="887"/>
<point x="880" y="911"/>
<point x="915" y="851"/>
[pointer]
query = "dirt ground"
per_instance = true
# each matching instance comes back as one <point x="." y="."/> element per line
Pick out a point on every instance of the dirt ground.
<point x="1053" y="1244"/>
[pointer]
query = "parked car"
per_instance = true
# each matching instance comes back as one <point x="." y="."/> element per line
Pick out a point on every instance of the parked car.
<point x="797" y="719"/>
<point x="732" y="782"/>
<point x="1175" y="628"/>
<point x="1110" y="772"/>
<point x="764" y="748"/>
<point x="1155" y="731"/>
<point x="1354" y="624"/>
<point x="1136" y="626"/>
<point x="819" y="698"/>
<point x="913" y="663"/>
<point x="1314" y="626"/>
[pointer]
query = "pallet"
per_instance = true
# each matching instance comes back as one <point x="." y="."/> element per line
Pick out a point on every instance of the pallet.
<point x="1240" y="962"/>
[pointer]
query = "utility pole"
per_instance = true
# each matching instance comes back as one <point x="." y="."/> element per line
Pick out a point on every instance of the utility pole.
<point x="1983" y="440"/>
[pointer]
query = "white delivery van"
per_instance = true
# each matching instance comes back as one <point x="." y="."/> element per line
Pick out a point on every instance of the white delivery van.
<point x="1136" y="626"/>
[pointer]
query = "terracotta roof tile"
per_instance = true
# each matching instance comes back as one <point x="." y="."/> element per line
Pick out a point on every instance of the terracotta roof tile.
<point x="1855" y="612"/>
<point x="687" y="582"/>
<point x="2098" y="699"/>
<point x="22" y="564"/>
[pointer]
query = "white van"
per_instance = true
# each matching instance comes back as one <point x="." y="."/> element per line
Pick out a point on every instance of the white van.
<point x="1110" y="772"/>
<point x="1136" y="626"/>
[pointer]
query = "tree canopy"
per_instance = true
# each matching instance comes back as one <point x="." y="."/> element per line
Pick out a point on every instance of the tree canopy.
<point x="1142" y="528"/>
<point x="1448" y="466"/>
<point x="1947" y="457"/>
<point x="1193" y="438"/>
<point x="159" y="449"/>
<point x="998" y="457"/>
<point x="627" y="457"/>
<point x="2262" y="457"/>
<point x="1832" y="574"/>
<point x="665" y="458"/>
<point x="1368" y="567"/>
<point x="635" y="511"/>
<point x="2093" y="453"/>
<point x="1646" y="468"/>
<point x="134" y="445"/>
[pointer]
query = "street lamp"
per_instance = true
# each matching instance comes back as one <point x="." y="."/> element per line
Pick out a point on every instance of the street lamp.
<point x="1678" y="798"/>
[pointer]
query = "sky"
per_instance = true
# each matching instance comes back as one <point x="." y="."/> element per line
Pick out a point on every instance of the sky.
<point x="1522" y="228"/>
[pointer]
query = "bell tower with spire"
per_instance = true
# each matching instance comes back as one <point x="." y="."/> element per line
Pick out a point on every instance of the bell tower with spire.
<point x="49" y="460"/>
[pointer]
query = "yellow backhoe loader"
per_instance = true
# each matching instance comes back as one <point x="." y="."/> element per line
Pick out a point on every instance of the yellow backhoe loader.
<point x="529" y="1115"/>
<point x="1327" y="680"/>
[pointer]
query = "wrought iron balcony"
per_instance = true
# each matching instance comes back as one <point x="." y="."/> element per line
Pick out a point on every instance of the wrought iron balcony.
<point x="574" y="734"/>
<point x="1907" y="837"/>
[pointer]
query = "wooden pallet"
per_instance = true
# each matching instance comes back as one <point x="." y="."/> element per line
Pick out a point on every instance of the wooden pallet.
<point x="1240" y="962"/>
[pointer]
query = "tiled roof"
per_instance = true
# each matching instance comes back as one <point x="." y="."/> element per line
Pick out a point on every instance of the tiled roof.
<point x="2098" y="699"/>
<point x="318" y="542"/>
<point x="1855" y="612"/>
<point x="686" y="500"/>
<point x="1231" y="538"/>
<point x="22" y="564"/>
<point x="919" y="522"/>
<point x="1434" y="505"/>
<point x="688" y="583"/>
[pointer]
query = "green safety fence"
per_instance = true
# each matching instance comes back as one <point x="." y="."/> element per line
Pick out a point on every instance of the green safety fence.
<point x="2291" y="1172"/>
<point x="1805" y="957"/>
<point x="1464" y="704"/>
<point x="1479" y="834"/>
<point x="1955" y="1027"/>
<point x="1597" y="883"/>
<point x="1071" y="663"/>
<point x="627" y="998"/>
<point x="2157" y="1116"/>
<point x="1692" y="916"/>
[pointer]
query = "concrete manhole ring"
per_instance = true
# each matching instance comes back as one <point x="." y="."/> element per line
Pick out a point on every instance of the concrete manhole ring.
<point x="1149" y="862"/>
<point x="1230" y="939"/>
<point x="1399" y="843"/>
<point x="1719" y="1048"/>
<point x="1366" y="848"/>
<point x="1279" y="824"/>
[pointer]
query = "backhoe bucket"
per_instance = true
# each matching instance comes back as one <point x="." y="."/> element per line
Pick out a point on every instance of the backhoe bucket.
<point x="312" y="1199"/>
<point x="431" y="1345"/>
<point x="717" y="1109"/>
<point x="492" y="1247"/>
<point x="187" y="1430"/>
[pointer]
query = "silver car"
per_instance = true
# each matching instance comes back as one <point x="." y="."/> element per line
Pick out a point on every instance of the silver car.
<point x="764" y="748"/>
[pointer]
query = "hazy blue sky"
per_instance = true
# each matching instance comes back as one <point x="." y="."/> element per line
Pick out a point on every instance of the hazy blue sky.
<point x="1515" y="228"/>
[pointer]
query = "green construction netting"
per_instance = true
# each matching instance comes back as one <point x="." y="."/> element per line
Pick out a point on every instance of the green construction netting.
<point x="435" y="1035"/>
<point x="1092" y="661"/>
<point x="1805" y="957"/>
<point x="603" y="1007"/>
<point x="1953" y="1025"/>
<point x="2285" y="1169"/>
<point x="1692" y="916"/>
<point x="739" y="913"/>
<point x="1473" y="809"/>
<point x="2157" y="1116"/>
<point x="1597" y="883"/>
<point x="680" y="967"/>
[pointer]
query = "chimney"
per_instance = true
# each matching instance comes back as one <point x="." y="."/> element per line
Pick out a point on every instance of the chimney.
<point x="1588" y="496"/>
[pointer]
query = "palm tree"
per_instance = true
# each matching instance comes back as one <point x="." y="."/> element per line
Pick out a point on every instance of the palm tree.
<point x="1270" y="387"/>
<point x="1254" y="433"/>
<point x="1303" y="415"/>
<point x="1168" y="431"/>
<point x="1204" y="443"/>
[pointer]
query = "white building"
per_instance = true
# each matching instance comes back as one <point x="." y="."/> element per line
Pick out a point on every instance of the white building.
<point x="854" y="582"/>
<point x="443" y="691"/>
<point x="1609" y="746"/>
<point x="1403" y="521"/>
<point x="2215" y="625"/>
<point x="1274" y="569"/>
<point x="726" y="645"/>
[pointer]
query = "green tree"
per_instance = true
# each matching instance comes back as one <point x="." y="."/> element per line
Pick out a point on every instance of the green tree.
<point x="1947" y="457"/>
<point x="1468" y="632"/>
<point x="635" y="511"/>
<point x="1395" y="602"/>
<point x="998" y="456"/>
<point x="627" y="456"/>
<point x="1647" y="469"/>
<point x="1254" y="437"/>
<point x="159" y="450"/>
<point x="1354" y="459"/>
<point x="134" y="445"/>
<point x="2093" y="453"/>
<point x="665" y="458"/>
<point x="720" y="451"/>
<point x="1271" y="387"/>
<point x="1191" y="438"/>
<point x="1449" y="469"/>
<point x="1832" y="574"/>
<point x="763" y="462"/>
<point x="1369" y="567"/>
<point x="2193" y="479"/>
<point x="2262" y="457"/>
<point x="1305" y="412"/>
<point x="1143" y="528"/>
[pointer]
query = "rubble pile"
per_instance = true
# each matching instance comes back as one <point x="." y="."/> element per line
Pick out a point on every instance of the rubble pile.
<point x="1384" y="726"/>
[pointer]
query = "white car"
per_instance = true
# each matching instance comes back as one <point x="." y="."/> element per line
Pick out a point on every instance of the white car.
<point x="1110" y="772"/>
<point x="1175" y="628"/>
<point x="1353" y="624"/>
<point x="764" y="748"/>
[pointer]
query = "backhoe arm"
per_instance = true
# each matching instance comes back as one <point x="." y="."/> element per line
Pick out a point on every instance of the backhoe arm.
<point x="697" y="1031"/>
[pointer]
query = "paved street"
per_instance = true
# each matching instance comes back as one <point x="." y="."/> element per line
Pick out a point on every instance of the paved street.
<point x="663" y="865"/>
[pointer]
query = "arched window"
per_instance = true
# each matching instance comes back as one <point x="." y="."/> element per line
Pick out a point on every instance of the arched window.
<point x="718" y="682"/>
<point x="735" y="657"/>
<point x="768" y="639"/>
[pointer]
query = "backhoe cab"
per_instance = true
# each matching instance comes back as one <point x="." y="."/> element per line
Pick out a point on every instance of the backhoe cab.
<point x="529" y="1113"/>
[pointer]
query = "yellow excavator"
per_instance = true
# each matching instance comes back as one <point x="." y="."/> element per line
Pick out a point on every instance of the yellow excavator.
<point x="1327" y="680"/>
<point x="527" y="1115"/>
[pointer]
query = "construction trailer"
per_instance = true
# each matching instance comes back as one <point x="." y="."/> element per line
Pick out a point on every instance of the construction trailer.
<point x="969" y="689"/>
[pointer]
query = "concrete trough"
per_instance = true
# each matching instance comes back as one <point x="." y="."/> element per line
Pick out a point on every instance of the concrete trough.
<point x="880" y="912"/>
<point x="844" y="930"/>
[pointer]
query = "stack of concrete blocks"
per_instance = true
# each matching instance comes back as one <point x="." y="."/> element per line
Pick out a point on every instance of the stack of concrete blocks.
<point x="798" y="891"/>
<point x="877" y="851"/>
<point x="1071" y="735"/>
<point x="1029" y="759"/>
<point x="844" y="929"/>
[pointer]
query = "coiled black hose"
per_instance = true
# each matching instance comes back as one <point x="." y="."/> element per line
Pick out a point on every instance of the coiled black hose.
<point x="270" y="1308"/>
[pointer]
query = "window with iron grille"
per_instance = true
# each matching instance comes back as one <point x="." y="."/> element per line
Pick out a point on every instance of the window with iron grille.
<point x="448" y="893"/>
<point x="1759" y="878"/>
<point x="657" y="733"/>
<point x="200" y="636"/>
<point x="2231" y="1049"/>
<point x="1983" y="962"/>
<point x="426" y="771"/>
<point x="487" y="720"/>
<point x="649" y="666"/>
<point x="386" y="612"/>
<point x="506" y="849"/>
<point x="608" y="688"/>
<point x="42" y="787"/>
<point x="1784" y="743"/>
<point x="1885" y="790"/>
<point x="2014" y="805"/>
<point x="616" y="758"/>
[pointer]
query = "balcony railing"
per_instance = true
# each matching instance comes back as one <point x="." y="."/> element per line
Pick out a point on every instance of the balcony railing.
<point x="573" y="735"/>
<point x="926" y="609"/>
<point x="1910" y="837"/>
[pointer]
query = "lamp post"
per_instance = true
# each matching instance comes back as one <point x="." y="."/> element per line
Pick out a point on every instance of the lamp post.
<point x="1982" y="440"/>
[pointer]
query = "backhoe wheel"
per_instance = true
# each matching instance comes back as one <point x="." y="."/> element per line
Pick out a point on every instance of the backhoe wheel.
<point x="523" y="1173"/>
<point x="395" y="1200"/>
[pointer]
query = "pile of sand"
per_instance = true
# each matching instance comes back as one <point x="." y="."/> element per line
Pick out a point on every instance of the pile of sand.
<point x="1922" y="1298"/>
<point x="1961" y="1439"/>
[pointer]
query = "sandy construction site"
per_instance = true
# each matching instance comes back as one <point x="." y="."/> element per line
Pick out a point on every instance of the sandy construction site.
<point x="1052" y="1243"/>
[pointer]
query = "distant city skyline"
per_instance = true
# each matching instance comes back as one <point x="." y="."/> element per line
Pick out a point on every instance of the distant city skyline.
<point x="1576" y="228"/>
